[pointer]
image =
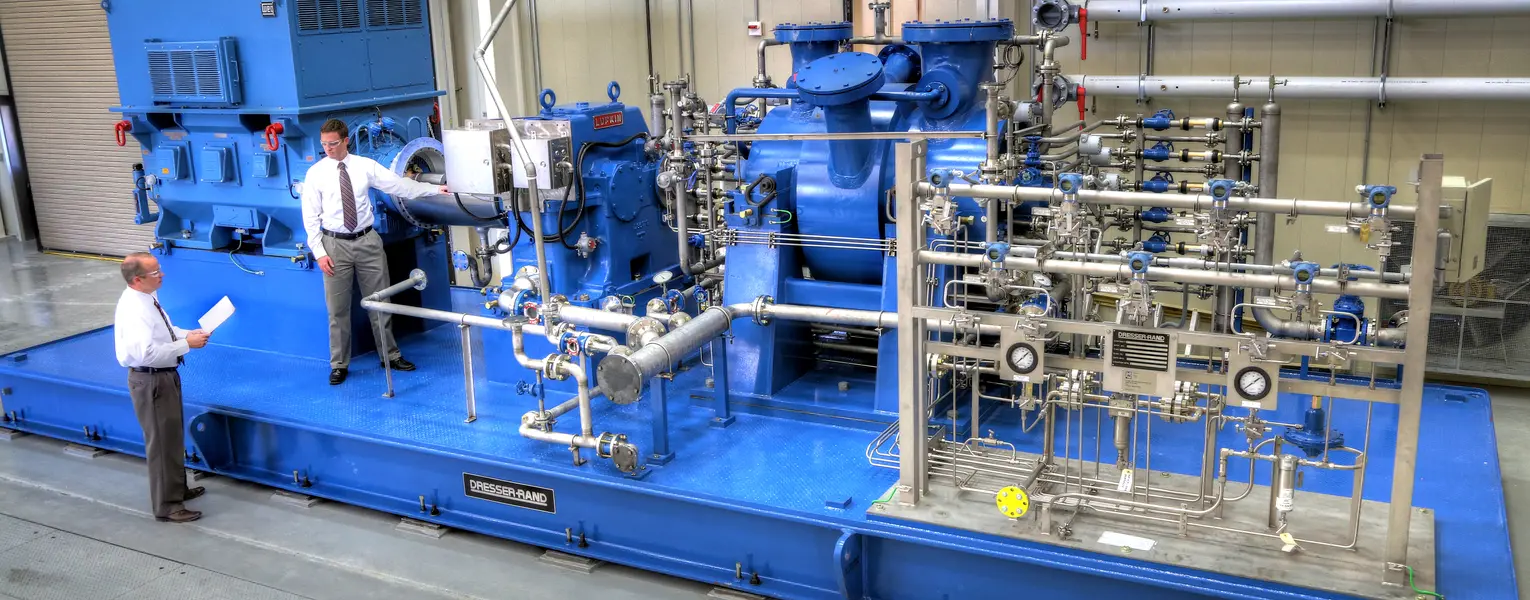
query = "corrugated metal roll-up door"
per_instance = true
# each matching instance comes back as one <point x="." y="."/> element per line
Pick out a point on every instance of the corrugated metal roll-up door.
<point x="64" y="84"/>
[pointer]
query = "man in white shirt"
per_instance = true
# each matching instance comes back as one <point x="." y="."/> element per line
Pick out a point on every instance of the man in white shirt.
<point x="337" y="214"/>
<point x="152" y="348"/>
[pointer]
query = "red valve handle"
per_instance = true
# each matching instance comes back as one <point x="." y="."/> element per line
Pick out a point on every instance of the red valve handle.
<point x="1080" y="103"/>
<point x="273" y="130"/>
<point x="121" y="130"/>
<point x="1083" y="32"/>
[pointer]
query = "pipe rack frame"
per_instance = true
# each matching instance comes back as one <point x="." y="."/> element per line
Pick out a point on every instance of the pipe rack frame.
<point x="915" y="344"/>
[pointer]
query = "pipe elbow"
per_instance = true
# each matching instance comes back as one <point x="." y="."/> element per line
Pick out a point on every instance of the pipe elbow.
<point x="1283" y="328"/>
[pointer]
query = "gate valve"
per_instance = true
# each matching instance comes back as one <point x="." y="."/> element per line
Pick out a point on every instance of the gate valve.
<point x="272" y="143"/>
<point x="121" y="130"/>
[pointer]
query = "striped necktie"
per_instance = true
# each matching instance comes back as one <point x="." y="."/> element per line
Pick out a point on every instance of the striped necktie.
<point x="347" y="199"/>
<point x="180" y="360"/>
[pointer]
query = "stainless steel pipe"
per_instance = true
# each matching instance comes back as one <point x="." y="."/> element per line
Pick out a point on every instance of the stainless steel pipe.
<point x="1323" y="208"/>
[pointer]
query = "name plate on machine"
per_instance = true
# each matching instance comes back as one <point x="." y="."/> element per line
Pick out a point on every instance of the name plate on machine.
<point x="1140" y="362"/>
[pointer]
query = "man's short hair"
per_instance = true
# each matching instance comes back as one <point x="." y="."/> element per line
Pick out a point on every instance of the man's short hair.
<point x="335" y="126"/>
<point x="133" y="266"/>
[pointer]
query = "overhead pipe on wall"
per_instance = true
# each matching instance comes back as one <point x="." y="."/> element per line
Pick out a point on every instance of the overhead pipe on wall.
<point x="1182" y="10"/>
<point x="1310" y="88"/>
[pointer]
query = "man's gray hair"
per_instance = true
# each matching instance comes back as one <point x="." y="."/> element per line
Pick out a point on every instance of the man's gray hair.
<point x="133" y="266"/>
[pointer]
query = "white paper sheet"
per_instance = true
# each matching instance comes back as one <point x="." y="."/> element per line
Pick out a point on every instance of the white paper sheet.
<point x="219" y="313"/>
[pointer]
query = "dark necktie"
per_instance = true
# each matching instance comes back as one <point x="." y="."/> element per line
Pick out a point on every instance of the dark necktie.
<point x="180" y="360"/>
<point x="347" y="199"/>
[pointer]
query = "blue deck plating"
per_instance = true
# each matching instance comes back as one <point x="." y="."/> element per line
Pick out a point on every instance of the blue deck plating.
<point x="764" y="495"/>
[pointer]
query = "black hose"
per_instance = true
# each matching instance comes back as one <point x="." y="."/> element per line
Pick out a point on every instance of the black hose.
<point x="496" y="219"/>
<point x="562" y="232"/>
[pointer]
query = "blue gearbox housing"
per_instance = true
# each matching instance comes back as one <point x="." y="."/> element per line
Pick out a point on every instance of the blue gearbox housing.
<point x="834" y="195"/>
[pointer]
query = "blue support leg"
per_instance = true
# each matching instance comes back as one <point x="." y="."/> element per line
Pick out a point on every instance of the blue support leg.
<point x="721" y="417"/>
<point x="660" y="403"/>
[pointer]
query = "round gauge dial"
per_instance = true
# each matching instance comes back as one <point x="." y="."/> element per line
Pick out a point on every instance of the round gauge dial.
<point x="1253" y="383"/>
<point x="1022" y="358"/>
<point x="1041" y="280"/>
<point x="663" y="277"/>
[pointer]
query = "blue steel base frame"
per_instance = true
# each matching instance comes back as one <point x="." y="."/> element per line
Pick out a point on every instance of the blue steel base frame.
<point x="785" y="500"/>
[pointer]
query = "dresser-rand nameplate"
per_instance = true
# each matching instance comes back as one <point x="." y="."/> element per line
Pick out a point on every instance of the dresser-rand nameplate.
<point x="509" y="492"/>
<point x="1140" y="362"/>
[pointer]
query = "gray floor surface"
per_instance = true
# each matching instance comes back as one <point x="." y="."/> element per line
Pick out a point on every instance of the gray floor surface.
<point x="76" y="528"/>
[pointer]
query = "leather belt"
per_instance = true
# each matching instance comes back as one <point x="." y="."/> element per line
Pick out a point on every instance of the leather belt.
<point x="152" y="369"/>
<point x="347" y="236"/>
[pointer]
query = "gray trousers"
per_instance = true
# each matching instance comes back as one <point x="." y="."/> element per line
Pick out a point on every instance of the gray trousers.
<point x="157" y="402"/>
<point x="363" y="261"/>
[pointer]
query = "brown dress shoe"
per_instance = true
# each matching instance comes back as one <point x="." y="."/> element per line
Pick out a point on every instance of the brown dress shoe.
<point x="195" y="492"/>
<point x="181" y="516"/>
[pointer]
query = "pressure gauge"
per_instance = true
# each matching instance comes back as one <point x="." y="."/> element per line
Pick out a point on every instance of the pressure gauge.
<point x="1253" y="383"/>
<point x="663" y="277"/>
<point x="1041" y="280"/>
<point x="1021" y="357"/>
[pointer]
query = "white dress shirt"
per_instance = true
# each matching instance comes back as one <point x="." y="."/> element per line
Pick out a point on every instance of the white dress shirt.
<point x="321" y="195"/>
<point x="142" y="338"/>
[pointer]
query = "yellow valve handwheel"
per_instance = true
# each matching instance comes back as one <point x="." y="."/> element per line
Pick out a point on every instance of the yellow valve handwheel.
<point x="1013" y="502"/>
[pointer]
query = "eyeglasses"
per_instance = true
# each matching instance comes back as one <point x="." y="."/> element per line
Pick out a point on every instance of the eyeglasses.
<point x="159" y="273"/>
<point x="332" y="144"/>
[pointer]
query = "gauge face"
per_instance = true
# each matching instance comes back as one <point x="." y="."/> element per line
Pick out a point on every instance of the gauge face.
<point x="1041" y="280"/>
<point x="1253" y="383"/>
<point x="1021" y="358"/>
<point x="663" y="277"/>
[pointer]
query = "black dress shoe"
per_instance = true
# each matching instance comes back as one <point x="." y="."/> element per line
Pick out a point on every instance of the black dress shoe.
<point x="337" y="376"/>
<point x="399" y="364"/>
<point x="195" y="492"/>
<point x="180" y="516"/>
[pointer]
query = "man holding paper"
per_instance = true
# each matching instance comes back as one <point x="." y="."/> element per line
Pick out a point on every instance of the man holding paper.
<point x="152" y="349"/>
<point x="337" y="214"/>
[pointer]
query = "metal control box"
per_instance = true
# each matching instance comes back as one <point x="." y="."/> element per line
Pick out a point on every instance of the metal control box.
<point x="549" y="145"/>
<point x="478" y="157"/>
<point x="1467" y="223"/>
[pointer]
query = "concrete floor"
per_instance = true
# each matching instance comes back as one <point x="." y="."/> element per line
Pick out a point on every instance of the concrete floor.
<point x="59" y="512"/>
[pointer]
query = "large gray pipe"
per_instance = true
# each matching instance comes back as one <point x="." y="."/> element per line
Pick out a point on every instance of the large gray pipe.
<point x="622" y="377"/>
<point x="1308" y="88"/>
<point x="1180" y="10"/>
<point x="1264" y="227"/>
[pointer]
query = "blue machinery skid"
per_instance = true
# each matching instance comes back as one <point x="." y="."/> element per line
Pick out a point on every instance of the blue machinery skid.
<point x="861" y="336"/>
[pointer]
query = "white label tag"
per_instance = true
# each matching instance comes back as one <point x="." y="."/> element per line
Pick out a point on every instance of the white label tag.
<point x="1251" y="404"/>
<point x="1041" y="211"/>
<point x="1290" y="543"/>
<point x="1019" y="377"/>
<point x="1111" y="288"/>
<point x="1125" y="485"/>
<point x="1111" y="538"/>
<point x="1185" y="221"/>
<point x="1337" y="228"/>
<point x="1265" y="301"/>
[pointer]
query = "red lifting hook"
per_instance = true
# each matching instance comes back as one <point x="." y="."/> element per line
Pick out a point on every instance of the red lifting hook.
<point x="273" y="130"/>
<point x="1083" y="32"/>
<point x="122" y="128"/>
